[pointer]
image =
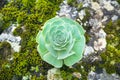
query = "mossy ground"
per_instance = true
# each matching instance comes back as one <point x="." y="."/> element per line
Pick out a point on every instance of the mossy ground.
<point x="30" y="15"/>
<point x="110" y="59"/>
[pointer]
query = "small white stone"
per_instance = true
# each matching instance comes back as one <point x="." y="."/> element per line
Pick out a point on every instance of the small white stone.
<point x="100" y="25"/>
<point x="26" y="77"/>
<point x="54" y="74"/>
<point x="108" y="6"/>
<point x="95" y="6"/>
<point x="85" y="5"/>
<point x="16" y="47"/>
<point x="99" y="12"/>
<point x="102" y="76"/>
<point x="100" y="44"/>
<point x="114" y="17"/>
<point x="115" y="3"/>
<point x="81" y="14"/>
<point x="77" y="74"/>
<point x="102" y="33"/>
<point x="104" y="19"/>
<point x="88" y="50"/>
<point x="119" y="11"/>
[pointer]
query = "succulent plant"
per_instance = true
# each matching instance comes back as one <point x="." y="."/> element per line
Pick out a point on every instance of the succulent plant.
<point x="61" y="42"/>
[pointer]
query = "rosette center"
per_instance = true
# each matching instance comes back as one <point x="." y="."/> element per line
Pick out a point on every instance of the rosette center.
<point x="59" y="37"/>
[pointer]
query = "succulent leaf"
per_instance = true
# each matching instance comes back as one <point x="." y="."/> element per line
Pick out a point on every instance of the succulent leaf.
<point x="61" y="42"/>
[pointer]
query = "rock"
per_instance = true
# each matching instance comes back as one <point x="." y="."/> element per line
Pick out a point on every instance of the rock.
<point x="67" y="11"/>
<point x="115" y="3"/>
<point x="104" y="19"/>
<point x="101" y="25"/>
<point x="16" y="47"/>
<point x="8" y="36"/>
<point x="108" y="6"/>
<point x="95" y="6"/>
<point x="100" y="44"/>
<point x="81" y="14"/>
<point x="88" y="50"/>
<point x="115" y="17"/>
<point x="26" y="77"/>
<point x="5" y="50"/>
<point x="99" y="12"/>
<point x="86" y="5"/>
<point x="102" y="76"/>
<point x="93" y="23"/>
<point x="101" y="34"/>
<point x="77" y="74"/>
<point x="54" y="74"/>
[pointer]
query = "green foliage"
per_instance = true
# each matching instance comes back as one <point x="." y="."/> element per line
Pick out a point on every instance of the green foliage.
<point x="2" y="3"/>
<point x="75" y="4"/>
<point x="21" y="17"/>
<point x="113" y="31"/>
<point x="87" y="16"/>
<point x="1" y="22"/>
<point x="87" y="36"/>
<point x="112" y="55"/>
<point x="72" y="2"/>
<point x="28" y="3"/>
<point x="38" y="78"/>
<point x="36" y="69"/>
<point x="80" y="6"/>
<point x="6" y="74"/>
<point x="9" y="16"/>
<point x="94" y="0"/>
<point x="18" y="31"/>
<point x="83" y="68"/>
<point x="110" y="58"/>
<point x="118" y="1"/>
<point x="66" y="75"/>
<point x="5" y="50"/>
<point x="22" y="62"/>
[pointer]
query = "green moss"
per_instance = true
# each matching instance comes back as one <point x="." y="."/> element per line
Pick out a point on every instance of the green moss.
<point x="66" y="75"/>
<point x="118" y="1"/>
<point x="9" y="16"/>
<point x="80" y="6"/>
<point x="1" y="23"/>
<point x="21" y="17"/>
<point x="87" y="16"/>
<point x="38" y="78"/>
<point x="18" y="31"/>
<point x="5" y="52"/>
<point x="83" y="68"/>
<point x="87" y="37"/>
<point x="94" y="0"/>
<point x="2" y="3"/>
<point x="30" y="17"/>
<point x="5" y="49"/>
<point x="75" y="4"/>
<point x="6" y="74"/>
<point x="28" y="4"/>
<point x="72" y="2"/>
<point x="111" y="56"/>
